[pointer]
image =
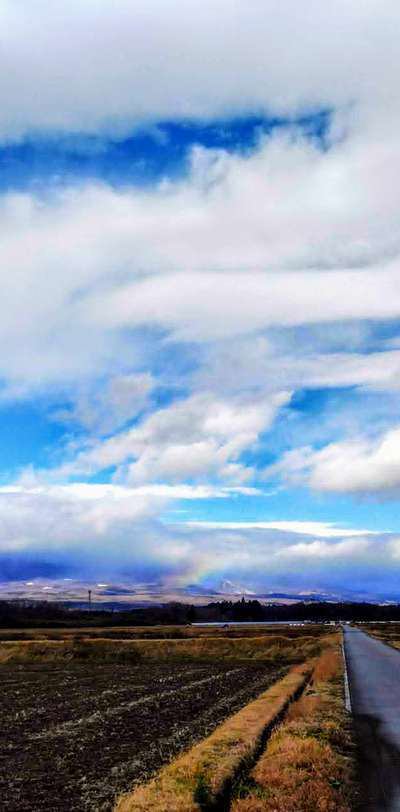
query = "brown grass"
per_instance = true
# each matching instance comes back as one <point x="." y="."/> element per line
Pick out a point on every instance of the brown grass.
<point x="266" y="648"/>
<point x="202" y="775"/>
<point x="388" y="633"/>
<point x="308" y="763"/>
<point x="163" y="632"/>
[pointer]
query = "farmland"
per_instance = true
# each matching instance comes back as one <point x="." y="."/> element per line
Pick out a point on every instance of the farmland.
<point x="386" y="632"/>
<point x="84" y="720"/>
<point x="290" y="750"/>
<point x="309" y="762"/>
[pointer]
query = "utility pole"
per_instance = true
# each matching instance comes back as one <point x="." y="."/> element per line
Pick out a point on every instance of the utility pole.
<point x="90" y="598"/>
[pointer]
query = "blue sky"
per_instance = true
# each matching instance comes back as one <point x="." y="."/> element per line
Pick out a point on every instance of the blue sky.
<point x="145" y="155"/>
<point x="200" y="310"/>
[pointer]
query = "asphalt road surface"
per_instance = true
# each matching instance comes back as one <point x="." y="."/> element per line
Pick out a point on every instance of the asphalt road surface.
<point x="374" y="682"/>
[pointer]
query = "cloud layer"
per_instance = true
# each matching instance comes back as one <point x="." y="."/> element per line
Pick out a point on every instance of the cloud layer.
<point x="87" y="66"/>
<point x="113" y="533"/>
<point x="202" y="259"/>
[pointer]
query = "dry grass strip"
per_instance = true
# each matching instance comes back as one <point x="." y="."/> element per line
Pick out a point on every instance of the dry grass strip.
<point x="308" y="765"/>
<point x="162" y="632"/>
<point x="269" y="649"/>
<point x="199" y="777"/>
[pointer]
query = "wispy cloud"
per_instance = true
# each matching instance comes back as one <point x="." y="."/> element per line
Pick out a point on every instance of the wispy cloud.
<point x="318" y="529"/>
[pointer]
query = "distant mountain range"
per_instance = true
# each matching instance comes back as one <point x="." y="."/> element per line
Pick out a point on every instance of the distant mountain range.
<point x="122" y="595"/>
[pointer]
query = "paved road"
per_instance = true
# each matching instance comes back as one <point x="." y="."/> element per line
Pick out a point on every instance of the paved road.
<point x="374" y="681"/>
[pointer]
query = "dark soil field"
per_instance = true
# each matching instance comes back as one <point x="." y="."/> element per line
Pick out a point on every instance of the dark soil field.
<point x="74" y="736"/>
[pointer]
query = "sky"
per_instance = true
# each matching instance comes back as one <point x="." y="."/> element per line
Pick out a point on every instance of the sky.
<point x="200" y="299"/>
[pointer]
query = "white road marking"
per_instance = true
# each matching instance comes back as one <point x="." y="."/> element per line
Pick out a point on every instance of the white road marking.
<point x="347" y="697"/>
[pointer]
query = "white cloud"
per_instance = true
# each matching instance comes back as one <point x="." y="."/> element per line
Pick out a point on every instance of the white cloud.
<point x="321" y="550"/>
<point x="211" y="306"/>
<point x="92" y="66"/>
<point x="358" y="465"/>
<point x="197" y="437"/>
<point x="260" y="364"/>
<point x="113" y="494"/>
<point x="287" y="236"/>
<point x="318" y="529"/>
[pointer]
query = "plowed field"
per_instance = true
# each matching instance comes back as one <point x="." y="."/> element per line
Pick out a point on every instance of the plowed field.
<point x="74" y="736"/>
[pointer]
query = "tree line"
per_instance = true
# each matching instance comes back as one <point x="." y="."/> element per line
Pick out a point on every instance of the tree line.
<point x="19" y="614"/>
